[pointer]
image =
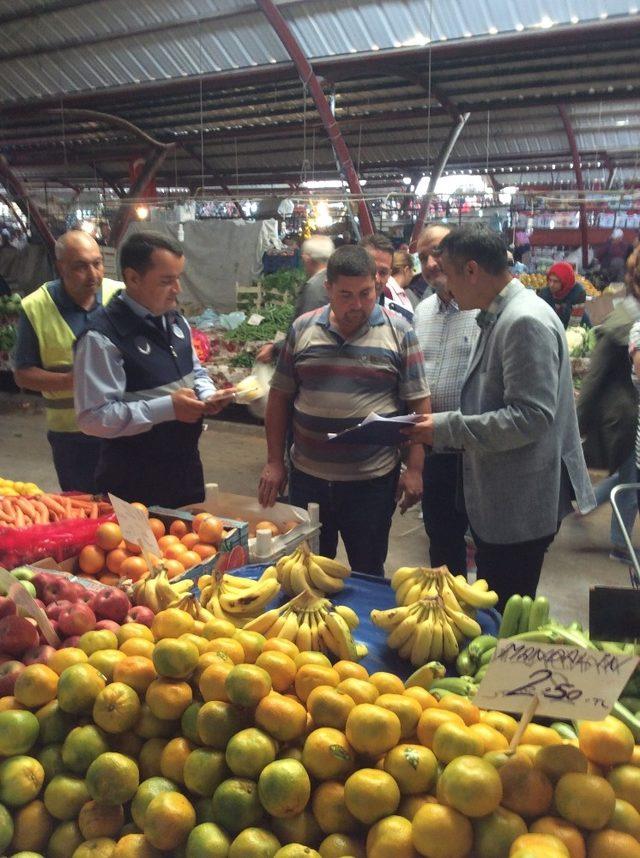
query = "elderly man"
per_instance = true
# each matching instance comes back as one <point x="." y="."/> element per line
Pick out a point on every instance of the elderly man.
<point x="339" y="363"/>
<point x="316" y="251"/>
<point x="447" y="336"/>
<point x="516" y="425"/>
<point x="51" y="319"/>
<point x="139" y="385"/>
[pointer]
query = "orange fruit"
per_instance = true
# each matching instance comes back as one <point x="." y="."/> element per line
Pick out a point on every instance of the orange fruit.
<point x="63" y="658"/>
<point x="116" y="708"/>
<point x="490" y="738"/>
<point x="413" y="767"/>
<point x="387" y="683"/>
<point x="175" y="551"/>
<point x="236" y="805"/>
<point x="330" y="810"/>
<point x="311" y="657"/>
<point x="198" y="519"/>
<point x="189" y="539"/>
<point x="361" y="690"/>
<point x="346" y="669"/>
<point x="168" y="698"/>
<point x="136" y="671"/>
<point x="249" y="751"/>
<point x="494" y="833"/>
<point x="91" y="559"/>
<point x="109" y="579"/>
<point x="148" y="789"/>
<point x="112" y="778"/>
<point x="407" y="709"/>
<point x="284" y="788"/>
<point x="21" y="779"/>
<point x="426" y="700"/>
<point x="252" y="644"/>
<point x="607" y="843"/>
<point x="165" y="541"/>
<point x="390" y="836"/>
<point x="108" y="536"/>
<point x="212" y="680"/>
<point x="210" y="530"/>
<point x="115" y="559"/>
<point x="190" y="559"/>
<point x="558" y="760"/>
<point x="526" y="790"/>
<point x="137" y="646"/>
<point x="280" y="667"/>
<point x="32" y="828"/>
<point x="135" y="846"/>
<point x="157" y="527"/>
<point x="608" y="742"/>
<point x="175" y="658"/>
<point x="538" y="846"/>
<point x="173" y="757"/>
<point x="537" y="734"/>
<point x="566" y="832"/>
<point x="501" y="722"/>
<point x="203" y="550"/>
<point x="173" y="568"/>
<point x="470" y="785"/>
<point x="100" y="820"/>
<point x="371" y="794"/>
<point x="441" y="832"/>
<point x="625" y="818"/>
<point x="586" y="800"/>
<point x="452" y="740"/>
<point x="411" y="804"/>
<point x="327" y="755"/>
<point x="105" y="660"/>
<point x="78" y="687"/>
<point x="229" y="646"/>
<point x="149" y="726"/>
<point x="207" y="838"/>
<point x="82" y="746"/>
<point x="133" y="567"/>
<point x="372" y="730"/>
<point x="462" y="706"/>
<point x="282" y="717"/>
<point x="310" y="676"/>
<point x="329" y="707"/>
<point x="171" y="623"/>
<point x="178" y="528"/>
<point x="625" y="781"/>
<point x="281" y="645"/>
<point x="168" y="821"/>
<point x="36" y="685"/>
<point x="247" y="684"/>
<point x="134" y="630"/>
<point x="429" y="722"/>
<point x="217" y="721"/>
<point x="217" y="628"/>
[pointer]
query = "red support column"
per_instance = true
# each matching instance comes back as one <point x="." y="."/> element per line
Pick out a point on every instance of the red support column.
<point x="125" y="212"/>
<point x="309" y="78"/>
<point x="571" y="137"/>
<point x="26" y="205"/>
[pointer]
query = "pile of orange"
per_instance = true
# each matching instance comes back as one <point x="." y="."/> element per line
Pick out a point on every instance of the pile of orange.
<point x="183" y="545"/>
<point x="194" y="739"/>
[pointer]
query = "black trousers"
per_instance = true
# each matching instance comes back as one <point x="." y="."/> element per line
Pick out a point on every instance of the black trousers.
<point x="513" y="568"/>
<point x="359" y="510"/>
<point x="75" y="458"/>
<point x="444" y="522"/>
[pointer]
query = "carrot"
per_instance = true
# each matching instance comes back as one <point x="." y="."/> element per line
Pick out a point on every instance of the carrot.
<point x="27" y="507"/>
<point x="43" y="510"/>
<point x="53" y="505"/>
<point x="94" y="510"/>
<point x="80" y="504"/>
<point x="8" y="507"/>
<point x="19" y="517"/>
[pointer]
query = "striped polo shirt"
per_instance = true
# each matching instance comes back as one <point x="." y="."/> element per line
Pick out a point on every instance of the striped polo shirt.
<point x="335" y="383"/>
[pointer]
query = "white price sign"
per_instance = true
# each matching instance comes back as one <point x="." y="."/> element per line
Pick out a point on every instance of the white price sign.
<point x="29" y="606"/>
<point x="567" y="682"/>
<point x="134" y="525"/>
<point x="255" y="319"/>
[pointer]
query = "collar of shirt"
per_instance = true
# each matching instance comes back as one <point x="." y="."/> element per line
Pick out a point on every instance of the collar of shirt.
<point x="488" y="316"/>
<point x="138" y="309"/>
<point x="447" y="307"/>
<point x="324" y="316"/>
<point x="66" y="302"/>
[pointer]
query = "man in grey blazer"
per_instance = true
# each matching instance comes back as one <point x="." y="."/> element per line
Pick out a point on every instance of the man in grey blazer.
<point x="516" y="427"/>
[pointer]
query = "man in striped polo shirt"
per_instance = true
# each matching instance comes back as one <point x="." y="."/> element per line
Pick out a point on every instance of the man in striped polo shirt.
<point x="339" y="363"/>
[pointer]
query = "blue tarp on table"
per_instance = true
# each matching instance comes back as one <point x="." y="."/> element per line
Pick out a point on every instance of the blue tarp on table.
<point x="363" y="593"/>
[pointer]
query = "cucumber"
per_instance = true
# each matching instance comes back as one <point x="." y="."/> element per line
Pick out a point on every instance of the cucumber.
<point x="461" y="685"/>
<point x="523" y="625"/>
<point x="465" y="665"/>
<point x="480" y="674"/>
<point x="486" y="656"/>
<point x="564" y="730"/>
<point x="511" y="617"/>
<point x="539" y="614"/>
<point x="480" y="644"/>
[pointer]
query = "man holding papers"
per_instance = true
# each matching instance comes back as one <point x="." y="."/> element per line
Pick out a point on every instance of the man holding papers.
<point x="340" y="363"/>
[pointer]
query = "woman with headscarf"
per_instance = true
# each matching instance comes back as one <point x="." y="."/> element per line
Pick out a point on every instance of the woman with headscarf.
<point x="562" y="293"/>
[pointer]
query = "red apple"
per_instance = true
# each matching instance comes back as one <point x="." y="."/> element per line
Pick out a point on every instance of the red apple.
<point x="39" y="654"/>
<point x="7" y="606"/>
<point x="140" y="614"/>
<point x="53" y="609"/>
<point x="76" y="619"/>
<point x="107" y="624"/>
<point x="56" y="589"/>
<point x="9" y="672"/>
<point x="72" y="641"/>
<point x="17" y="635"/>
<point x="111" y="604"/>
<point x="40" y="581"/>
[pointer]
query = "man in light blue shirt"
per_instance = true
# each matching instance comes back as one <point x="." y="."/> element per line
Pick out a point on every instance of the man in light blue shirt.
<point x="447" y="336"/>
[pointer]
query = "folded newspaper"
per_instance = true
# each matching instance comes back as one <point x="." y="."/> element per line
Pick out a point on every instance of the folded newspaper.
<point x="384" y="431"/>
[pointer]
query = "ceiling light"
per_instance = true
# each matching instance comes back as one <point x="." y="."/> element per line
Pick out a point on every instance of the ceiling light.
<point x="575" y="19"/>
<point x="519" y="27"/>
<point x="604" y="15"/>
<point x="622" y="121"/>
<point x="545" y="22"/>
<point x="493" y="30"/>
<point x="142" y="212"/>
<point x="406" y="180"/>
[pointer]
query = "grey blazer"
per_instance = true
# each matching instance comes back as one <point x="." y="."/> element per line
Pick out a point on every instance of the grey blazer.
<point x="517" y="426"/>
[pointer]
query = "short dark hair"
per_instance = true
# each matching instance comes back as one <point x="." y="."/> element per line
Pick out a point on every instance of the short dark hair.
<point x="350" y="261"/>
<point x="378" y="242"/>
<point x="137" y="250"/>
<point x="474" y="241"/>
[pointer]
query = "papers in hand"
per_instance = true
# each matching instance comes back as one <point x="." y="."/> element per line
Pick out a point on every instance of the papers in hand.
<point x="384" y="431"/>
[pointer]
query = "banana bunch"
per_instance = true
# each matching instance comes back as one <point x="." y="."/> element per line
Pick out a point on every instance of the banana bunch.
<point x="194" y="608"/>
<point x="426" y="630"/>
<point x="414" y="583"/>
<point x="313" y="624"/>
<point x="157" y="592"/>
<point x="304" y="570"/>
<point x="237" y="599"/>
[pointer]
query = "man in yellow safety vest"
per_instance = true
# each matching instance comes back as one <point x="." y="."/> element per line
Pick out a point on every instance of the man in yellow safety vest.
<point x="52" y="318"/>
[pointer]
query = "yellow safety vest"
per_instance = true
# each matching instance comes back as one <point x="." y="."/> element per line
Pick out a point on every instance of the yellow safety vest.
<point x="56" y="339"/>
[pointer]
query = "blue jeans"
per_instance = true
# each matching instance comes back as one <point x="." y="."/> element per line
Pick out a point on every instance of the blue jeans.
<point x="360" y="511"/>
<point x="75" y="457"/>
<point x="627" y="501"/>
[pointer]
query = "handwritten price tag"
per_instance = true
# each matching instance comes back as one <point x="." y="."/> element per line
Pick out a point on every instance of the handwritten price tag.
<point x="568" y="682"/>
<point x="134" y="525"/>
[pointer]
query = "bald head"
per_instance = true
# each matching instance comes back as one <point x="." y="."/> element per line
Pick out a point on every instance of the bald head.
<point x="427" y="243"/>
<point x="79" y="263"/>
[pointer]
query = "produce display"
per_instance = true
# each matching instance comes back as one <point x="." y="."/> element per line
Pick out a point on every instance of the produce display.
<point x="539" y="281"/>
<point x="18" y="488"/>
<point x="304" y="570"/>
<point x="9" y="310"/>
<point x="17" y="510"/>
<point x="581" y="341"/>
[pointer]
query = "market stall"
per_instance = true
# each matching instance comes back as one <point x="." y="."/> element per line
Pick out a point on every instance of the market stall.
<point x="162" y="697"/>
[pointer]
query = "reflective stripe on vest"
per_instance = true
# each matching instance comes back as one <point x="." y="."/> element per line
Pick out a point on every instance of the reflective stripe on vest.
<point x="55" y="341"/>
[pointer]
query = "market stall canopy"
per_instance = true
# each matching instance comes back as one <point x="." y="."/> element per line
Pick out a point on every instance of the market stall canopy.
<point x="213" y="78"/>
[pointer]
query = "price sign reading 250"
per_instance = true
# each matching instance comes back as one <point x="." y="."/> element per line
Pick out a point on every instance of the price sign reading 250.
<point x="566" y="682"/>
<point x="546" y="683"/>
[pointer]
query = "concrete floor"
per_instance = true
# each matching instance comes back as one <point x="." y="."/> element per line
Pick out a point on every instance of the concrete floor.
<point x="233" y="454"/>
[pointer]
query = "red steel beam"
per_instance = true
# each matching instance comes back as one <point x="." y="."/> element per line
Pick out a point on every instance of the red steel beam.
<point x="26" y="205"/>
<point x="308" y="77"/>
<point x="577" y="166"/>
<point x="125" y="212"/>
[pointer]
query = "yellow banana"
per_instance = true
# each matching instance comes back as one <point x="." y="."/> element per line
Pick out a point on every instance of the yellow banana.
<point x="330" y="567"/>
<point x="450" y="648"/>
<point x="403" y="589"/>
<point x="341" y="632"/>
<point x="269" y="572"/>
<point x="404" y="573"/>
<point x="299" y="581"/>
<point x="436" y="640"/>
<point x="321" y="580"/>
<point x="403" y="631"/>
<point x="303" y="635"/>
<point x="422" y="638"/>
<point x="289" y="628"/>
<point x="469" y="628"/>
<point x="473" y="596"/>
<point x="348" y="614"/>
<point x="251" y="600"/>
<point x="389" y="618"/>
